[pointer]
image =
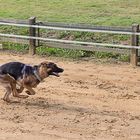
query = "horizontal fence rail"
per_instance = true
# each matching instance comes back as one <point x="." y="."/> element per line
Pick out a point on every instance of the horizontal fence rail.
<point x="69" y="29"/>
<point x="83" y="26"/>
<point x="14" y="21"/>
<point x="68" y="25"/>
<point x="87" y="48"/>
<point x="69" y="41"/>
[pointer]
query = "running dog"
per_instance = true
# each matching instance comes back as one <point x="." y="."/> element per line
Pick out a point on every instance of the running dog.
<point x="26" y="76"/>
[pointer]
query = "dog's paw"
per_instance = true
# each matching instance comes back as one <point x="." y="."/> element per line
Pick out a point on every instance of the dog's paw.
<point x="7" y="100"/>
<point x="23" y="96"/>
<point x="18" y="90"/>
<point x="29" y="93"/>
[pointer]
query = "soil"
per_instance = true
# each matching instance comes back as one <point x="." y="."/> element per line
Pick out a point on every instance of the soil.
<point x="89" y="101"/>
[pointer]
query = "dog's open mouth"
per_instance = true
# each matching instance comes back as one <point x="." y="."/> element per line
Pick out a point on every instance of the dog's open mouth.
<point x="55" y="74"/>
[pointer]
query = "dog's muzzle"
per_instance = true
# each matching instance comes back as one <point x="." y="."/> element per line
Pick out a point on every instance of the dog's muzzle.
<point x="56" y="73"/>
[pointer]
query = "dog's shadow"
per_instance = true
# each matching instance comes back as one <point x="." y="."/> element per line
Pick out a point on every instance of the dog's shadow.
<point x="41" y="103"/>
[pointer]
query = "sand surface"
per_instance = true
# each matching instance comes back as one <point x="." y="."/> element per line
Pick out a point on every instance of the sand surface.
<point x="90" y="101"/>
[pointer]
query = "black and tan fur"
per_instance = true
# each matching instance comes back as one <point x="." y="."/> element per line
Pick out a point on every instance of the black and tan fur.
<point x="28" y="77"/>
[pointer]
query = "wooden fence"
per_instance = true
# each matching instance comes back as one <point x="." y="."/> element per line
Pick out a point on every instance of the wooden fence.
<point x="35" y="32"/>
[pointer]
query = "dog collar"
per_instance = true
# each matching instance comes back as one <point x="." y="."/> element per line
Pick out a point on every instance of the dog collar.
<point x="37" y="76"/>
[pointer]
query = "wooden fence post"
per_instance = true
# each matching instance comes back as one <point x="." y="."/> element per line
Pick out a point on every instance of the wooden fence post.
<point x="134" y="42"/>
<point x="38" y="35"/>
<point x="32" y="32"/>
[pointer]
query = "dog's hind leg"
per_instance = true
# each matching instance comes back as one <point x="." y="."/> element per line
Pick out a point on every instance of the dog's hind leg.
<point x="7" y="94"/>
<point x="5" y="80"/>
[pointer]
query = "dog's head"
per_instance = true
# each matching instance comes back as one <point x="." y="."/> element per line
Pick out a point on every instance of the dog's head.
<point x="50" y="68"/>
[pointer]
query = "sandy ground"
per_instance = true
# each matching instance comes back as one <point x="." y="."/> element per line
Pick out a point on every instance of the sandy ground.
<point x="90" y="101"/>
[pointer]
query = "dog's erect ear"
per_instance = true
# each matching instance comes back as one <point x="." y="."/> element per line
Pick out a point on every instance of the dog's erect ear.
<point x="44" y="63"/>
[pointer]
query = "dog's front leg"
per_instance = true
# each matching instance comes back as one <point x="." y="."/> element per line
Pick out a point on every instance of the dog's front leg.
<point x="20" y="90"/>
<point x="7" y="94"/>
<point x="29" y="91"/>
<point x="16" y="92"/>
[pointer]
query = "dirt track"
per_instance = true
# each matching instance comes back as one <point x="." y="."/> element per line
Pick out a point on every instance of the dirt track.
<point x="89" y="101"/>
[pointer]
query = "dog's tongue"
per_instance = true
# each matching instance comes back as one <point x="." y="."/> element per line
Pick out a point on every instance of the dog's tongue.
<point x="55" y="74"/>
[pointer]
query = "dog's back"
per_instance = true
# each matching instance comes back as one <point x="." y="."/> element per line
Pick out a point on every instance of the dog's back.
<point x="12" y="68"/>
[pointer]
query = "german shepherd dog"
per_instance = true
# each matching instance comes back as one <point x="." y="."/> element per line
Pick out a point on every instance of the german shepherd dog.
<point x="26" y="76"/>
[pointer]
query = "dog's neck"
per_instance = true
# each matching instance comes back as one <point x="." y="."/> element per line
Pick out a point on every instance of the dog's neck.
<point x="41" y="74"/>
<point x="37" y="75"/>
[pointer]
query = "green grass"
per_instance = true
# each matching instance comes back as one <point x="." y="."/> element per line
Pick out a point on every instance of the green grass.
<point x="98" y="12"/>
<point x="65" y="53"/>
<point x="15" y="47"/>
